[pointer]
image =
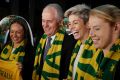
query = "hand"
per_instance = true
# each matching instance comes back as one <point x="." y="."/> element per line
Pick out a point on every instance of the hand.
<point x="20" y="66"/>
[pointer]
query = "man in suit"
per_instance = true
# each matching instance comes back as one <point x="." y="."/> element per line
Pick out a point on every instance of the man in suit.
<point x="53" y="63"/>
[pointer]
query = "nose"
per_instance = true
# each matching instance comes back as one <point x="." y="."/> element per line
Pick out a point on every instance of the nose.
<point x="92" y="33"/>
<point x="15" y="33"/>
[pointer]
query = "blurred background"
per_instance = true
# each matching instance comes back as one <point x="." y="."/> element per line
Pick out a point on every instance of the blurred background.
<point x="31" y="9"/>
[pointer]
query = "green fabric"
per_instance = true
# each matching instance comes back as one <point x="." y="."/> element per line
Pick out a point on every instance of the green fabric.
<point x="16" y="55"/>
<point x="99" y="66"/>
<point x="75" y="51"/>
<point x="1" y="41"/>
<point x="88" y="51"/>
<point x="50" y="70"/>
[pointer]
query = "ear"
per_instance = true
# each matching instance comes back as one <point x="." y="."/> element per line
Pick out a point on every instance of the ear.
<point x="117" y="26"/>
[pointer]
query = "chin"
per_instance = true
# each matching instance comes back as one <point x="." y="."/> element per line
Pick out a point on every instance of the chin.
<point x="96" y="45"/>
<point x="76" y="37"/>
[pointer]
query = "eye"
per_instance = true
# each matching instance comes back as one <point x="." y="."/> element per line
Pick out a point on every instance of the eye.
<point x="11" y="31"/>
<point x="97" y="28"/>
<point x="76" y="22"/>
<point x="19" y="32"/>
<point x="43" y="20"/>
<point x="50" y="21"/>
<point x="69" y="24"/>
<point x="89" y="28"/>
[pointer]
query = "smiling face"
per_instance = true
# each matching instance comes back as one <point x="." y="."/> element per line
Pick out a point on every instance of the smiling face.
<point x="77" y="27"/>
<point x="16" y="33"/>
<point x="101" y="32"/>
<point x="49" y="21"/>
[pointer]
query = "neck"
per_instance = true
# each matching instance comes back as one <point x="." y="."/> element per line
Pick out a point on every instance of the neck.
<point x="85" y="37"/>
<point x="15" y="45"/>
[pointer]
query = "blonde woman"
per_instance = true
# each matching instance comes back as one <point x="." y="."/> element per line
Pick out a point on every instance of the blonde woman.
<point x="104" y="30"/>
<point x="78" y="17"/>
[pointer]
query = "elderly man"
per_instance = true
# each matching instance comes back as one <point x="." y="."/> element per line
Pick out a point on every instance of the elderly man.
<point x="52" y="63"/>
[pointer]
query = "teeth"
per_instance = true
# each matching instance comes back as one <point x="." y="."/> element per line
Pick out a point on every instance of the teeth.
<point x="74" y="32"/>
<point x="70" y="33"/>
<point x="95" y="41"/>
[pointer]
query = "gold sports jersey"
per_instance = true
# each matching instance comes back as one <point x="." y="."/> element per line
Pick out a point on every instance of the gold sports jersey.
<point x="9" y="70"/>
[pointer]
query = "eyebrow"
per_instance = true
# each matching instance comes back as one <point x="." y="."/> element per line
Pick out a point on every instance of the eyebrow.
<point x="93" y="26"/>
<point x="96" y="26"/>
<point x="74" y="20"/>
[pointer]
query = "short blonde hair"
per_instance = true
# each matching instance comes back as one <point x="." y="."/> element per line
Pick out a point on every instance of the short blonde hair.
<point x="107" y="12"/>
<point x="80" y="10"/>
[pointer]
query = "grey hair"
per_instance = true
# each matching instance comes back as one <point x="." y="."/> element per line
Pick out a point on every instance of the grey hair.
<point x="58" y="9"/>
<point x="81" y="10"/>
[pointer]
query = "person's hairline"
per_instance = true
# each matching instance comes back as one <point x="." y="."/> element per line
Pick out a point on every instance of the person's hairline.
<point x="55" y="7"/>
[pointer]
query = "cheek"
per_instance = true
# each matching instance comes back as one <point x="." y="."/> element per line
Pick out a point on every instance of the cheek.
<point x="20" y="35"/>
<point x="53" y="26"/>
<point x="77" y="28"/>
<point x="107" y="34"/>
<point x="11" y="35"/>
<point x="105" y="38"/>
<point x="81" y="31"/>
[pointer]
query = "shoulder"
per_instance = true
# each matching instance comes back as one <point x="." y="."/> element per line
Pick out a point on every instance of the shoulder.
<point x="69" y="41"/>
<point x="69" y="38"/>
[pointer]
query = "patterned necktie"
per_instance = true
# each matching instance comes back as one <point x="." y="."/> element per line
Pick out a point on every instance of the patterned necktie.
<point x="47" y="47"/>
